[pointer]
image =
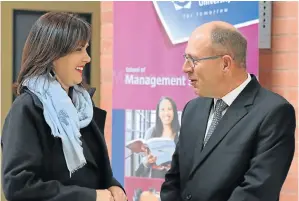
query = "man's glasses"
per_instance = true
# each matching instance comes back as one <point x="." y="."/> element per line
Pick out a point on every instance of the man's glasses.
<point x="192" y="62"/>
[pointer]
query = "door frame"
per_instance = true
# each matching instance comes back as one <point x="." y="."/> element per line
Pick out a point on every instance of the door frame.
<point x="7" y="9"/>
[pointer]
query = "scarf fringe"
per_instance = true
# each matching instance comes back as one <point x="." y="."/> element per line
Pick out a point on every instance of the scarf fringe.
<point x="79" y="167"/>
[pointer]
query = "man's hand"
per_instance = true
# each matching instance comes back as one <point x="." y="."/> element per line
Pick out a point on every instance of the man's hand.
<point x="118" y="193"/>
<point x="104" y="195"/>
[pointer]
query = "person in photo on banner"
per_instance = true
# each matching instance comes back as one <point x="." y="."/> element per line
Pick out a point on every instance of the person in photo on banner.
<point x="53" y="145"/>
<point x="166" y="126"/>
<point x="237" y="139"/>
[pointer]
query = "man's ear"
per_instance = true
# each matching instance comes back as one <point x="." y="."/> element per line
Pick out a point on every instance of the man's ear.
<point x="227" y="62"/>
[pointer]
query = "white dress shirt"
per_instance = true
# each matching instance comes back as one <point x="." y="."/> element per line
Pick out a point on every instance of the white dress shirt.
<point x="228" y="99"/>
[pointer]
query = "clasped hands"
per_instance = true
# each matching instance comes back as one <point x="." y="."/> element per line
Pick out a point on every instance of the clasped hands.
<point x="113" y="193"/>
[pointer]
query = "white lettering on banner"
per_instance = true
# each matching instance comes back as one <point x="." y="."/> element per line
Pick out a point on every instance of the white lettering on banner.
<point x="186" y="5"/>
<point x="210" y="12"/>
<point x="155" y="81"/>
<point x="205" y="13"/>
<point x="207" y="3"/>
<point x="135" y="70"/>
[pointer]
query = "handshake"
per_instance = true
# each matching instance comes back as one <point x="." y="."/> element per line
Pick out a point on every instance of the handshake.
<point x="113" y="193"/>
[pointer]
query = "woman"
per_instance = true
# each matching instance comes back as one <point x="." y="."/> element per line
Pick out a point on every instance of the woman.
<point x="167" y="126"/>
<point x="53" y="143"/>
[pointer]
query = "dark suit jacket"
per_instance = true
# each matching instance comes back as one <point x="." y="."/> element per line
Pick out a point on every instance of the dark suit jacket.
<point x="33" y="164"/>
<point x="247" y="157"/>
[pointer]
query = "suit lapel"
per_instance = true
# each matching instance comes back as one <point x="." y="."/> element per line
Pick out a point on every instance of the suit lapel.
<point x="200" y="124"/>
<point x="233" y="115"/>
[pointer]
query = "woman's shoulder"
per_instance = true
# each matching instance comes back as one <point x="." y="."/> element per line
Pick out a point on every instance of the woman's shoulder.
<point x="25" y="102"/>
<point x="22" y="100"/>
<point x="22" y="113"/>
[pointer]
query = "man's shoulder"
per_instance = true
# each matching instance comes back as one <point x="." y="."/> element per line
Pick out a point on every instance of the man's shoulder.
<point x="193" y="104"/>
<point x="196" y="101"/>
<point x="271" y="99"/>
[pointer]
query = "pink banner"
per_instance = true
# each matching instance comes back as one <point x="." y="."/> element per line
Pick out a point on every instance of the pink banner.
<point x="147" y="65"/>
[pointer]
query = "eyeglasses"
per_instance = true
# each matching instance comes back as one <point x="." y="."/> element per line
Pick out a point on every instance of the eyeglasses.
<point x="192" y="62"/>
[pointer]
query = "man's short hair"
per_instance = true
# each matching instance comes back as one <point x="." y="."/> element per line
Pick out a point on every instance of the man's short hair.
<point x="229" y="41"/>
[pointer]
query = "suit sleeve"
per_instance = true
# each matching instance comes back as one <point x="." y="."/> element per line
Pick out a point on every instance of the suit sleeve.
<point x="22" y="162"/>
<point x="272" y="158"/>
<point x="170" y="189"/>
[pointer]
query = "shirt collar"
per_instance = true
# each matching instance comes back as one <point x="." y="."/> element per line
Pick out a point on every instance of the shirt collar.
<point x="231" y="96"/>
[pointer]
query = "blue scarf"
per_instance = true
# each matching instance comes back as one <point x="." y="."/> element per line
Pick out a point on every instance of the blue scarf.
<point x="64" y="116"/>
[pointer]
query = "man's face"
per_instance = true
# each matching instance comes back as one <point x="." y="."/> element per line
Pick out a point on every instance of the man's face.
<point x="205" y="75"/>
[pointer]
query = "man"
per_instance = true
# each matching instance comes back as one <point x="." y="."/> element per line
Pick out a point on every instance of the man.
<point x="237" y="139"/>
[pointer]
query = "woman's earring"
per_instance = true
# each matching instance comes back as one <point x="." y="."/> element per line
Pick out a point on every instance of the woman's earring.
<point x="52" y="74"/>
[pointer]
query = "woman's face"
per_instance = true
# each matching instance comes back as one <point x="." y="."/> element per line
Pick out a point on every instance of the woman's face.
<point x="68" y="69"/>
<point x="166" y="112"/>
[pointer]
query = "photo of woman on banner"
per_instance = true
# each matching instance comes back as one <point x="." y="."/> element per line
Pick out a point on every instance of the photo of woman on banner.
<point x="167" y="126"/>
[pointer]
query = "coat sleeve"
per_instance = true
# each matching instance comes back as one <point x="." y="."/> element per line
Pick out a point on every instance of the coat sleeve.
<point x="114" y="182"/>
<point x="22" y="160"/>
<point x="170" y="189"/>
<point x="271" y="162"/>
<point x="100" y="118"/>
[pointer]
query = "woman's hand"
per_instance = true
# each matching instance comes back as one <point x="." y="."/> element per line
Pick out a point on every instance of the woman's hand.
<point x="118" y="193"/>
<point x="104" y="195"/>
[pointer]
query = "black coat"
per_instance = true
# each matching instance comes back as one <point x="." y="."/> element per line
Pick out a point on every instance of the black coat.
<point x="33" y="163"/>
<point x="248" y="156"/>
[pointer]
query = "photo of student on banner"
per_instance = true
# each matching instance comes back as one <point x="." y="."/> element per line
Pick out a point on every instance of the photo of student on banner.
<point x="166" y="128"/>
<point x="151" y="137"/>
